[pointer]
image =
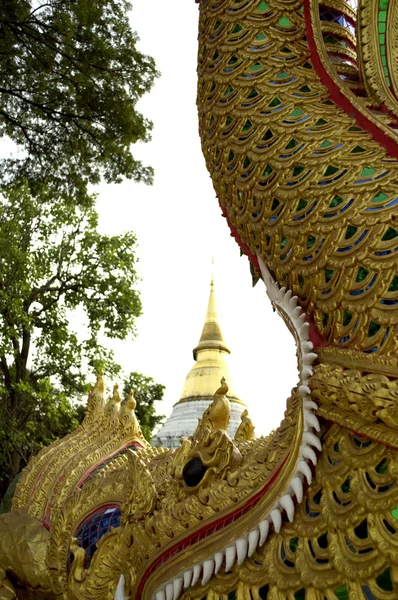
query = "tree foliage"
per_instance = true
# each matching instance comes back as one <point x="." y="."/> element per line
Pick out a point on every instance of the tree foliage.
<point x="71" y="76"/>
<point x="146" y="393"/>
<point x="54" y="264"/>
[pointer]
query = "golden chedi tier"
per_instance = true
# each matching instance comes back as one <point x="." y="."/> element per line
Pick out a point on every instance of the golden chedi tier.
<point x="200" y="384"/>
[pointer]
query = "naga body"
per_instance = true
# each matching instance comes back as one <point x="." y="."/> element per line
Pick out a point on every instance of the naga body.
<point x="298" y="119"/>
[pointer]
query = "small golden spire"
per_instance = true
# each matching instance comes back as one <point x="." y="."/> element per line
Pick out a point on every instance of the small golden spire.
<point x="211" y="334"/>
<point x="112" y="406"/>
<point x="245" y="431"/>
<point x="217" y="414"/>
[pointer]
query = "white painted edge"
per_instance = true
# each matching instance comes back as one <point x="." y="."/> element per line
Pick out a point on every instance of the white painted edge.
<point x="246" y="545"/>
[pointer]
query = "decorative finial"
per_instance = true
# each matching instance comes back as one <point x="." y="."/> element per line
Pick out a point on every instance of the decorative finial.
<point x="130" y="400"/>
<point x="245" y="431"/>
<point x="223" y="389"/>
<point x="96" y="400"/>
<point x="217" y="414"/>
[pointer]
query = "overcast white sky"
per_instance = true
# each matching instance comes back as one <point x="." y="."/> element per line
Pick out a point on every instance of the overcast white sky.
<point x="179" y="228"/>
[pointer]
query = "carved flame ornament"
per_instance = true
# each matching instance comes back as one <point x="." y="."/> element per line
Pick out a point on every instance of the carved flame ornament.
<point x="297" y="104"/>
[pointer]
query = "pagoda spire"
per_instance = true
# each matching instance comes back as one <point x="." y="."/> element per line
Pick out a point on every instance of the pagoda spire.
<point x="212" y="337"/>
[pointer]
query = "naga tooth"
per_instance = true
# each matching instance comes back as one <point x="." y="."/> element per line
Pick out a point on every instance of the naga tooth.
<point x="310" y="405"/>
<point x="218" y="558"/>
<point x="297" y="312"/>
<point x="309" y="358"/>
<point x="208" y="568"/>
<point x="196" y="572"/>
<point x="161" y="595"/>
<point x="305" y="470"/>
<point x="254" y="536"/>
<point x="177" y="585"/>
<point x="304" y="390"/>
<point x="307" y="346"/>
<point x="313" y="440"/>
<point x="119" y="594"/>
<point x="306" y="372"/>
<point x="264" y="528"/>
<point x="301" y="320"/>
<point x="286" y="502"/>
<point x="311" y="420"/>
<point x="304" y="330"/>
<point x="241" y="549"/>
<point x="310" y="454"/>
<point x="187" y="578"/>
<point x="276" y="519"/>
<point x="230" y="555"/>
<point x="297" y="487"/>
<point x="169" y="591"/>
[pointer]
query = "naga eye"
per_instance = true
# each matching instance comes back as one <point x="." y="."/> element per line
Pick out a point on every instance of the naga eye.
<point x="193" y="472"/>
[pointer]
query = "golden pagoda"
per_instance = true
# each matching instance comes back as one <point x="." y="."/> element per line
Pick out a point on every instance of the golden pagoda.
<point x="203" y="378"/>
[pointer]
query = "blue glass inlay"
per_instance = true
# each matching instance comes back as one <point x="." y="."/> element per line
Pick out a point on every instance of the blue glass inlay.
<point x="94" y="527"/>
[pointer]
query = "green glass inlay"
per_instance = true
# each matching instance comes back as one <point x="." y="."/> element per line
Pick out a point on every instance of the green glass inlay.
<point x="394" y="284"/>
<point x="237" y="28"/>
<point x="382" y="27"/>
<point x="383" y="4"/>
<point x="267" y="171"/>
<point x="326" y="144"/>
<point x="275" y="102"/>
<point x="379" y="197"/>
<point x="394" y="512"/>
<point x="335" y="202"/>
<point x="261" y="36"/>
<point x="284" y="22"/>
<point x="346" y="318"/>
<point x="302" y="204"/>
<point x="345" y="487"/>
<point x="373" y="328"/>
<point x="351" y="230"/>
<point x="293" y="544"/>
<point x="382" y="15"/>
<point x="342" y="592"/>
<point x="296" y="113"/>
<point x="256" y="67"/>
<point x="390" y="234"/>
<point x="297" y="170"/>
<point x="328" y="275"/>
<point x="384" y="581"/>
<point x="362" y="274"/>
<point x="310" y="241"/>
<point x="262" y="7"/>
<point x="366" y="171"/>
<point x="382" y="467"/>
<point x="282" y="75"/>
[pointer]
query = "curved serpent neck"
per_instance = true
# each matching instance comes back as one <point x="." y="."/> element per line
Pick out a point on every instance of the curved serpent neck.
<point x="301" y="183"/>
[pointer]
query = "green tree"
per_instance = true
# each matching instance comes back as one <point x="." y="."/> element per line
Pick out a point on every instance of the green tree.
<point x="53" y="264"/>
<point x="146" y="393"/>
<point x="71" y="76"/>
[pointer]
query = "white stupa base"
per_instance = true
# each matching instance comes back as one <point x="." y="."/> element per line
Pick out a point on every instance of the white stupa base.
<point x="184" y="420"/>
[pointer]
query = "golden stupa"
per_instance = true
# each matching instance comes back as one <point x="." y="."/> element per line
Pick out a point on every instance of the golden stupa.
<point x="204" y="377"/>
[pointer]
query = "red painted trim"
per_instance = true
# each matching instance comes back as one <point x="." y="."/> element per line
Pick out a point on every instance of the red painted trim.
<point x="337" y="95"/>
<point x="47" y="522"/>
<point x="234" y="233"/>
<point x="208" y="529"/>
<point x="314" y="335"/>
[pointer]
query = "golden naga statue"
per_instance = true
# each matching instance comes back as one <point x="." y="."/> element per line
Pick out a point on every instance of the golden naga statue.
<point x="298" y="116"/>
